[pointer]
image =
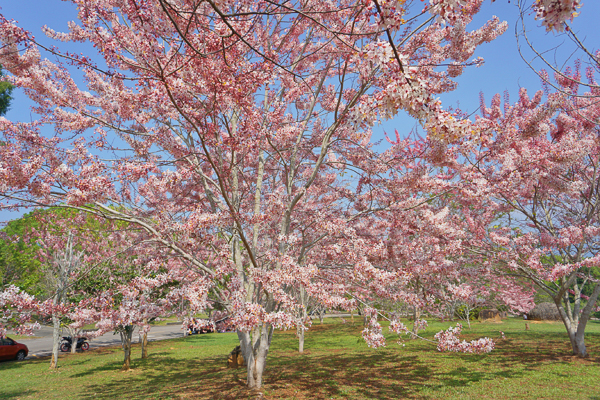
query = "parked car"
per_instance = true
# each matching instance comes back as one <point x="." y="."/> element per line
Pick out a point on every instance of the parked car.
<point x="224" y="325"/>
<point x="11" y="350"/>
<point x="198" y="327"/>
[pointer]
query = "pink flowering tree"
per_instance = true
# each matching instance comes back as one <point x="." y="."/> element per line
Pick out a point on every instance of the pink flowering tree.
<point x="97" y="272"/>
<point x="129" y="304"/>
<point x="63" y="268"/>
<point x="537" y="165"/>
<point x="409" y="245"/>
<point x="61" y="262"/>
<point x="16" y="309"/>
<point x="220" y="131"/>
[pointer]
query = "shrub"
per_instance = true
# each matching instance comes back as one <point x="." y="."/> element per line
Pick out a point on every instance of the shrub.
<point x="544" y="312"/>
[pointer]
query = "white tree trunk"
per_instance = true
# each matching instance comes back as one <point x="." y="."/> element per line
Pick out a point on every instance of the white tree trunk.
<point x="74" y="333"/>
<point x="467" y="311"/>
<point x="144" y="339"/>
<point x="300" y="340"/>
<point x="64" y="264"/>
<point x="576" y="324"/>
<point x="302" y="318"/>
<point x="321" y="315"/>
<point x="578" y="344"/>
<point x="255" y="348"/>
<point x="416" y="317"/>
<point x="55" y="341"/>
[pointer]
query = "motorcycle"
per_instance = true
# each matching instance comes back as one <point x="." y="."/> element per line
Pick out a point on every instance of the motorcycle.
<point x="67" y="341"/>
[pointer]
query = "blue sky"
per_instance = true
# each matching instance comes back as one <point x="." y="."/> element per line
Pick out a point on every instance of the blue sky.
<point x="504" y="70"/>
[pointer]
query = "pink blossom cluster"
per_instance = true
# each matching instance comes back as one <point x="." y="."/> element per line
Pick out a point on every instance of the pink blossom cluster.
<point x="452" y="11"/>
<point x="583" y="296"/>
<point x="16" y="308"/>
<point x="372" y="334"/>
<point x="421" y="324"/>
<point x="463" y="292"/>
<point x="448" y="341"/>
<point x="246" y="316"/>
<point x="554" y="13"/>
<point x="392" y="13"/>
<point x="397" y="326"/>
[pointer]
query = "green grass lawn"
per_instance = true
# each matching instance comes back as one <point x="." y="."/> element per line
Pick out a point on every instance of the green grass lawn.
<point x="337" y="364"/>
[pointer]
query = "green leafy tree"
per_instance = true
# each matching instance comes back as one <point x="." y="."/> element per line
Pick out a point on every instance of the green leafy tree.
<point x="5" y="94"/>
<point x="19" y="264"/>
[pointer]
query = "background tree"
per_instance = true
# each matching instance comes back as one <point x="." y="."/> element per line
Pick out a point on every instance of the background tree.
<point x="19" y="264"/>
<point x="64" y="265"/>
<point x="118" y="284"/>
<point x="539" y="165"/>
<point x="5" y="94"/>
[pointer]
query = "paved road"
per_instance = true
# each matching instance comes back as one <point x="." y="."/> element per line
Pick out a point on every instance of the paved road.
<point x="42" y="346"/>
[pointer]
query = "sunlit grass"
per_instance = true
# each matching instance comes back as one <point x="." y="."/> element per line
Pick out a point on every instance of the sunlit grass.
<point x="336" y="364"/>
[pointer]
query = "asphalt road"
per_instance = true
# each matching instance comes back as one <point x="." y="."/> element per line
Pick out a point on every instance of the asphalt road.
<point x="41" y="344"/>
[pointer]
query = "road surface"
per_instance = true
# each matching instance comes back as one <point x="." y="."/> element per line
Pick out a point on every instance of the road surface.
<point x="41" y="344"/>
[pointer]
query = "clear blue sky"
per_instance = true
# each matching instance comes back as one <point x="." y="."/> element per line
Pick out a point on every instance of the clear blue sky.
<point x="504" y="70"/>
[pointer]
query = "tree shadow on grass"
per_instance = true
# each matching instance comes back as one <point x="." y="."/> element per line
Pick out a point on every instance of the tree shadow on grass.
<point x="16" y="394"/>
<point x="373" y="376"/>
<point x="318" y="375"/>
<point x="168" y="377"/>
<point x="534" y="353"/>
<point x="164" y="376"/>
<point x="13" y="365"/>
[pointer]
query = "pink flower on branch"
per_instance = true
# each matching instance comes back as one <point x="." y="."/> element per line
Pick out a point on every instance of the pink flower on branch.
<point x="448" y="341"/>
<point x="554" y="13"/>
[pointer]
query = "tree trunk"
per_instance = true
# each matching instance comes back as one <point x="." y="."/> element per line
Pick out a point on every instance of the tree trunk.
<point x="302" y="317"/>
<point x="55" y="341"/>
<point x="126" y="334"/>
<point x="583" y="320"/>
<point x="468" y="315"/>
<point x="416" y="316"/>
<point x="255" y="349"/>
<point x="578" y="344"/>
<point x="144" y="342"/>
<point x="144" y="339"/>
<point x="74" y="333"/>
<point x="575" y="336"/>
<point x="321" y="315"/>
<point x="576" y="324"/>
<point x="300" y="340"/>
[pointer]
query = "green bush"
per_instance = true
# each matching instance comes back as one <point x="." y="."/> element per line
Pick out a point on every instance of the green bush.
<point x="462" y="310"/>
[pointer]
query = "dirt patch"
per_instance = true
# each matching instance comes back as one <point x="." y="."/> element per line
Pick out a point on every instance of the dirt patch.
<point x="544" y="322"/>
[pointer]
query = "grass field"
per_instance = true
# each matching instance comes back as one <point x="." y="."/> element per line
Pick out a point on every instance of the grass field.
<point x="534" y="364"/>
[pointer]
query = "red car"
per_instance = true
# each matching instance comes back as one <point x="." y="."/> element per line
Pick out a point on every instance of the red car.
<point x="11" y="350"/>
